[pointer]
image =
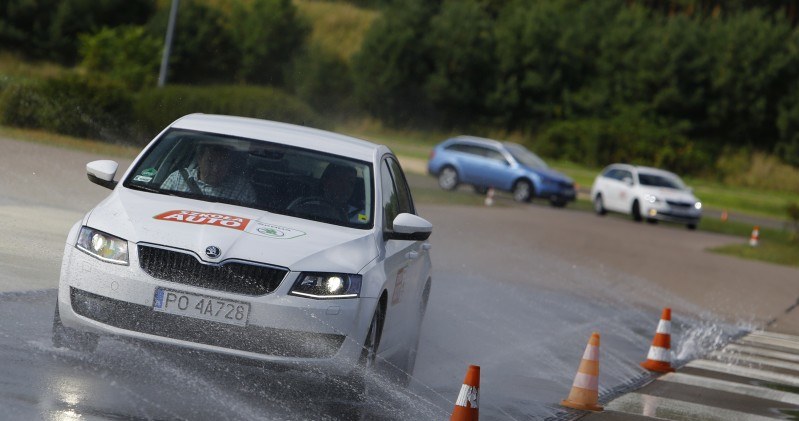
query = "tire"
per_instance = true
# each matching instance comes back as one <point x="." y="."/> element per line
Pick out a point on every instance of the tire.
<point x="406" y="375"/>
<point x="64" y="337"/>
<point x="599" y="205"/>
<point x="481" y="190"/>
<point x="523" y="191"/>
<point x="448" y="178"/>
<point x="558" y="202"/>
<point x="691" y="227"/>
<point x="651" y="221"/>
<point x="356" y="385"/>
<point x="635" y="212"/>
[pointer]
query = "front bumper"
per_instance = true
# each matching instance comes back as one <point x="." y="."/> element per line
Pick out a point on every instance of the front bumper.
<point x="118" y="300"/>
<point x="667" y="213"/>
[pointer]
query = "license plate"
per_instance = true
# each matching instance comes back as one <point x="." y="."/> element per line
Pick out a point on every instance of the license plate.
<point x="201" y="307"/>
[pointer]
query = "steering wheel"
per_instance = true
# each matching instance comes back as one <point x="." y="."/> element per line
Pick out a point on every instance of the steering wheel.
<point x="317" y="206"/>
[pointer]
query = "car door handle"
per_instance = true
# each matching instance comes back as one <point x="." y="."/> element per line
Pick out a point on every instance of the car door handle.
<point x="412" y="255"/>
<point x="426" y="246"/>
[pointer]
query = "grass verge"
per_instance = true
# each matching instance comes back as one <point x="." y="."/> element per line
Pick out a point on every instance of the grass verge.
<point x="775" y="246"/>
<point x="68" y="142"/>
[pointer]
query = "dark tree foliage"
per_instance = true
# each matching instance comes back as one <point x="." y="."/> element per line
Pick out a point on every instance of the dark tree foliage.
<point x="392" y="66"/>
<point x="49" y="28"/>
<point x="203" y="50"/>
<point x="267" y="34"/>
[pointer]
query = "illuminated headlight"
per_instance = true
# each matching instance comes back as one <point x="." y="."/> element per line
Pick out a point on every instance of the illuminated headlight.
<point x="698" y="205"/>
<point x="103" y="246"/>
<point x="650" y="198"/>
<point x="327" y="285"/>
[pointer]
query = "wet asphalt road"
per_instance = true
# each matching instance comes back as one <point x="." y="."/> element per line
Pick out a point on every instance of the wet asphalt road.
<point x="517" y="290"/>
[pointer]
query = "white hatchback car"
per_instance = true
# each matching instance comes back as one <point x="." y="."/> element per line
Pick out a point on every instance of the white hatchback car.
<point x="253" y="239"/>
<point x="645" y="193"/>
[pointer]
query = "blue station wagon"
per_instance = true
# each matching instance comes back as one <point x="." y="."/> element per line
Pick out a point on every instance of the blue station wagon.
<point x="506" y="166"/>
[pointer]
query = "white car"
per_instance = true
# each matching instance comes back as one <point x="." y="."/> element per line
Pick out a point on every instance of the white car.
<point x="256" y="259"/>
<point x="645" y="193"/>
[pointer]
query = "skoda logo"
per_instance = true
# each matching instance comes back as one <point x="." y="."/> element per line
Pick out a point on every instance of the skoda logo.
<point x="212" y="252"/>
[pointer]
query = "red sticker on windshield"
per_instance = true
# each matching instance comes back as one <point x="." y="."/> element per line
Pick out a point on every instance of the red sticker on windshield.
<point x="201" y="218"/>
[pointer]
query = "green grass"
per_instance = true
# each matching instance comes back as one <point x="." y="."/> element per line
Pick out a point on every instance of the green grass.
<point x="774" y="246"/>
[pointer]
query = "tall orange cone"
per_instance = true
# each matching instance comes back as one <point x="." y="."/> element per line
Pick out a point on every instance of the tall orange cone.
<point x="585" y="389"/>
<point x="489" y="196"/>
<point x="467" y="407"/>
<point x="659" y="357"/>
<point x="724" y="215"/>
<point x="755" y="238"/>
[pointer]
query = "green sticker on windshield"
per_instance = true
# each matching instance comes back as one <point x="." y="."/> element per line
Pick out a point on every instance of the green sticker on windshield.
<point x="363" y="218"/>
<point x="149" y="172"/>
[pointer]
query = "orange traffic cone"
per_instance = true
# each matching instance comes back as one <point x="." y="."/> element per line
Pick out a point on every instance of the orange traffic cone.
<point x="489" y="196"/>
<point x="467" y="407"/>
<point x="659" y="357"/>
<point x="724" y="215"/>
<point x="755" y="238"/>
<point x="585" y="389"/>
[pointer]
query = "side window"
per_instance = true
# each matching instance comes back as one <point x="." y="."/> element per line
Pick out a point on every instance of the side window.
<point x="612" y="173"/>
<point x="625" y="174"/>
<point x="403" y="191"/>
<point x="496" y="155"/>
<point x="457" y="147"/>
<point x="390" y="198"/>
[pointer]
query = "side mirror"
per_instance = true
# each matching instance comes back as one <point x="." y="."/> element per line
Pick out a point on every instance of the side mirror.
<point x="628" y="181"/>
<point x="102" y="173"/>
<point x="410" y="227"/>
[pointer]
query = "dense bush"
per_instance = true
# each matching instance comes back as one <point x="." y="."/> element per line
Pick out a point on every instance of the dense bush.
<point x="156" y="108"/>
<point x="324" y="82"/>
<point x="126" y="54"/>
<point x="73" y="105"/>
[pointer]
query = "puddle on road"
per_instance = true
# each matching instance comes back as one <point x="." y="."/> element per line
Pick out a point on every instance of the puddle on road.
<point x="528" y="342"/>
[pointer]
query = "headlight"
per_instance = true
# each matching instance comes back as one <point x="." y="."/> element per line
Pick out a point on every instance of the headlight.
<point x="698" y="205"/>
<point x="650" y="198"/>
<point x="327" y="285"/>
<point x="103" y="246"/>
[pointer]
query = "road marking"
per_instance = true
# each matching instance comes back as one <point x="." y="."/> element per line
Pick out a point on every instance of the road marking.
<point x="732" y="387"/>
<point x="742" y="359"/>
<point x="767" y="340"/>
<point x="736" y="349"/>
<point x="753" y="373"/>
<point x="672" y="409"/>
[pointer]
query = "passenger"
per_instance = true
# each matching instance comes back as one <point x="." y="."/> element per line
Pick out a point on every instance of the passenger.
<point x="214" y="175"/>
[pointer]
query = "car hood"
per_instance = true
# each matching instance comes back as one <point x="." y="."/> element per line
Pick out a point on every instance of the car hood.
<point x="239" y="232"/>
<point x="551" y="174"/>
<point x="670" y="194"/>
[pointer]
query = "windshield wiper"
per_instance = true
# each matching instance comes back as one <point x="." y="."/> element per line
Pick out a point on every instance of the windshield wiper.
<point x="143" y="188"/>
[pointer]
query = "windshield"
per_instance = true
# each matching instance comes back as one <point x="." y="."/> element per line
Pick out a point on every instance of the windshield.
<point x="525" y="157"/>
<point x="660" y="180"/>
<point x="258" y="174"/>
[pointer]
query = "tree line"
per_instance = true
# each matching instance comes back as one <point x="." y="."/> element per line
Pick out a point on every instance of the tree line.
<point x="668" y="82"/>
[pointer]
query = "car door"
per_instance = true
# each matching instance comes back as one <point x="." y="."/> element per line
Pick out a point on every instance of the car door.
<point x="400" y="257"/>
<point x="473" y="163"/>
<point x="496" y="168"/>
<point x="622" y="190"/>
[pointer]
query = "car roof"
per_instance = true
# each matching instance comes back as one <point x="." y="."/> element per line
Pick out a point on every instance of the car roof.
<point x="475" y="139"/>
<point x="640" y="168"/>
<point x="283" y="133"/>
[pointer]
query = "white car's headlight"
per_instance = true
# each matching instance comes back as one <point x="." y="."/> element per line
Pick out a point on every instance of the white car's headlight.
<point x="327" y="285"/>
<point x="698" y="205"/>
<point x="650" y="198"/>
<point x="103" y="246"/>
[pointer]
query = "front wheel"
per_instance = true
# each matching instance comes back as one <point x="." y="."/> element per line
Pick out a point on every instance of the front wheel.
<point x="558" y="202"/>
<point x="522" y="191"/>
<point x="636" y="212"/>
<point x="448" y="178"/>
<point x="691" y="226"/>
<point x="367" y="362"/>
<point x="599" y="205"/>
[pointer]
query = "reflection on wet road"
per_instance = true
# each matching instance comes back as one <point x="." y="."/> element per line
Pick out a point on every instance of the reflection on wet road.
<point x="528" y="351"/>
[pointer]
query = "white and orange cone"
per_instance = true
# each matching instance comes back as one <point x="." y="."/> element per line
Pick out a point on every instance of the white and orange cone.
<point x="585" y="389"/>
<point x="489" y="196"/>
<point x="659" y="357"/>
<point x="467" y="407"/>
<point x="755" y="238"/>
<point x="724" y="215"/>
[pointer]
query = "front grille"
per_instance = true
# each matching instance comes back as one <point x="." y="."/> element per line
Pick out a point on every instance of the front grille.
<point x="261" y="340"/>
<point x="184" y="268"/>
<point x="677" y="204"/>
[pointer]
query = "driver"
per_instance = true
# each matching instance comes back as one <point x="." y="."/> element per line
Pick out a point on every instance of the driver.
<point x="215" y="175"/>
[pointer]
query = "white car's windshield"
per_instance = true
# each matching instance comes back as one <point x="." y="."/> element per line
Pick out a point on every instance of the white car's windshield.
<point x="660" y="180"/>
<point x="525" y="157"/>
<point x="258" y="174"/>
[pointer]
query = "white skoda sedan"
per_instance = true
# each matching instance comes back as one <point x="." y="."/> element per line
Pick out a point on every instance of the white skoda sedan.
<point x="645" y="193"/>
<point x="254" y="239"/>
